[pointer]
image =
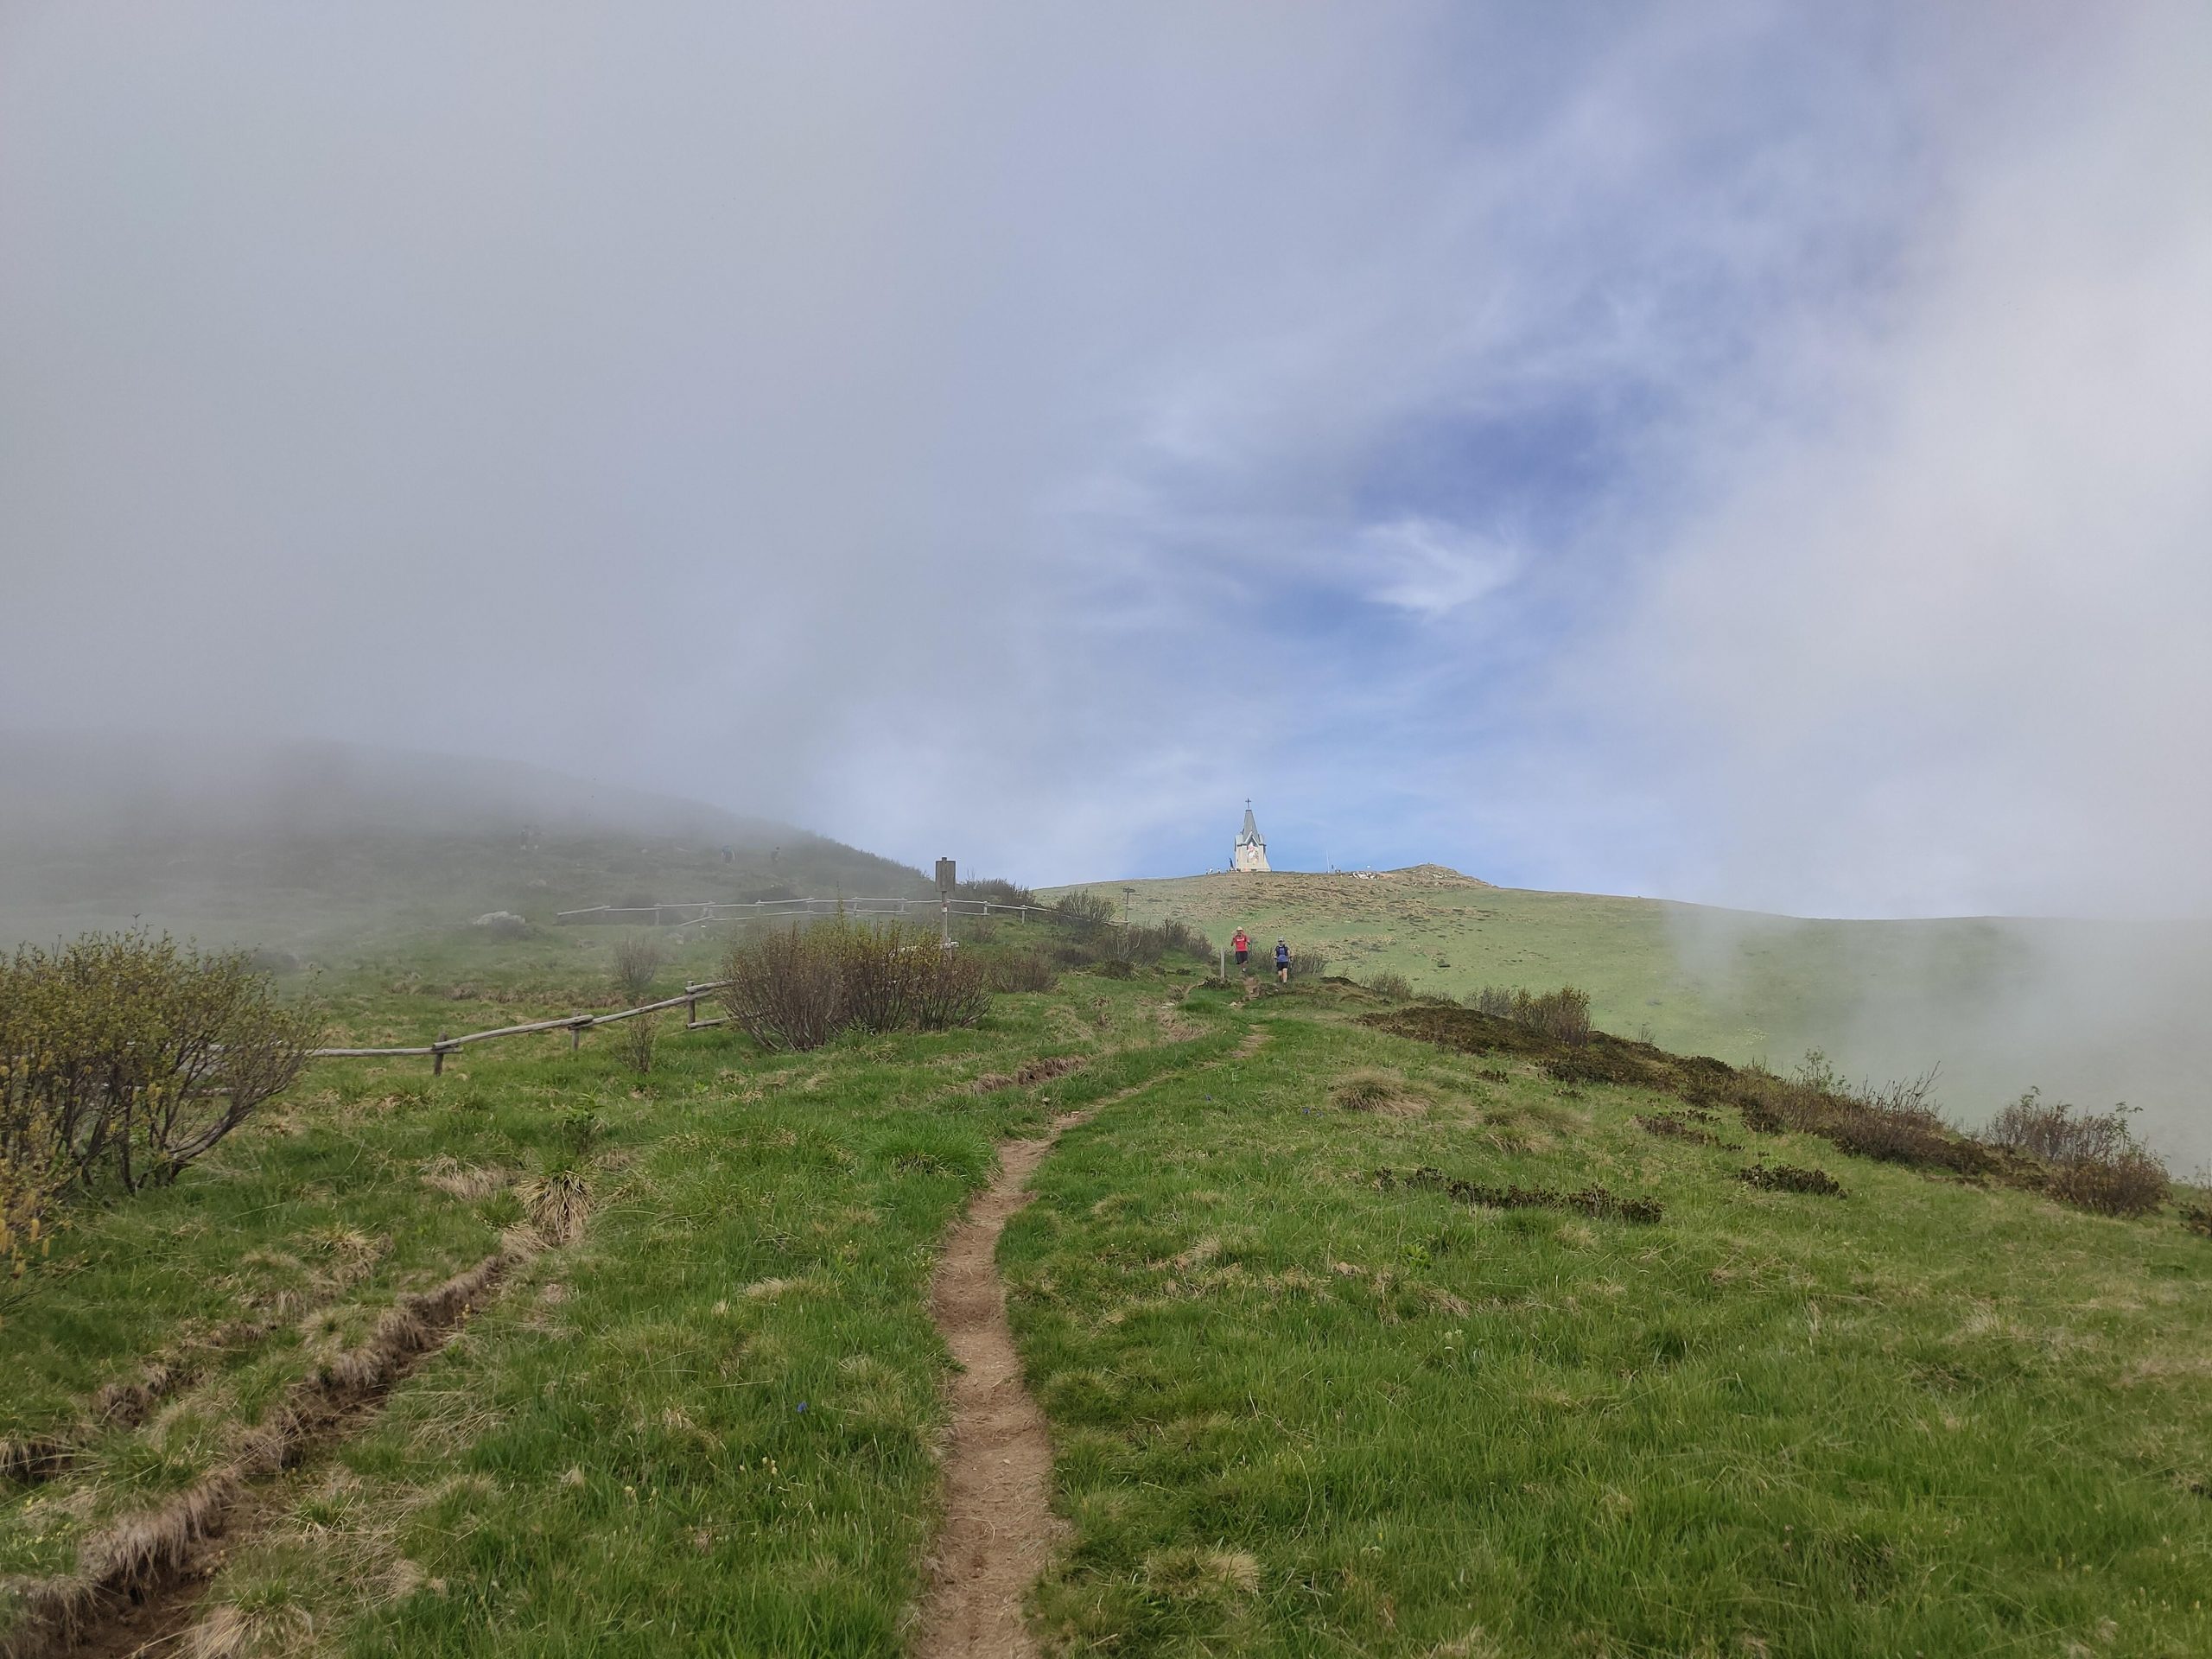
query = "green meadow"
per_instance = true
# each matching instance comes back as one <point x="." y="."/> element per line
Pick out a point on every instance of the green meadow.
<point x="1301" y="1400"/>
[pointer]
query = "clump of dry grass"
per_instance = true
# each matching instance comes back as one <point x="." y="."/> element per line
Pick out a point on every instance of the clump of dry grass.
<point x="468" y="1182"/>
<point x="1382" y="1092"/>
<point x="557" y="1205"/>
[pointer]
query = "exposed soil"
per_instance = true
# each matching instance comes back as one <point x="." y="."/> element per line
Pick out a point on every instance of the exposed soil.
<point x="140" y="1582"/>
<point x="999" y="1527"/>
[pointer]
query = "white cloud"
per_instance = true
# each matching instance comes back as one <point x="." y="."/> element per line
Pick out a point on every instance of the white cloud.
<point x="1430" y="568"/>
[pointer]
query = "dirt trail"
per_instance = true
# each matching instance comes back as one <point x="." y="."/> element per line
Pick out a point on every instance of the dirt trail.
<point x="999" y="1528"/>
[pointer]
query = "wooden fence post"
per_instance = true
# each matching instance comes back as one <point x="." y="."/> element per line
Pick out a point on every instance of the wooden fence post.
<point x="438" y="1057"/>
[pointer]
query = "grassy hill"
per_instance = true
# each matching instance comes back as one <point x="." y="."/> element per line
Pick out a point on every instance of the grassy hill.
<point x="325" y="849"/>
<point x="2097" y="1011"/>
<point x="1341" y="1346"/>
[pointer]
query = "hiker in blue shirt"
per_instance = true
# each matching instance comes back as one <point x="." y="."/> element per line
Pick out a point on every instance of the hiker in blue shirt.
<point x="1283" y="963"/>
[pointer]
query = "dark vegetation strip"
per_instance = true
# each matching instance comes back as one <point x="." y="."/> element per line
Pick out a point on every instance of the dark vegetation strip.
<point x="2089" y="1161"/>
<point x="1788" y="1178"/>
<point x="1590" y="1200"/>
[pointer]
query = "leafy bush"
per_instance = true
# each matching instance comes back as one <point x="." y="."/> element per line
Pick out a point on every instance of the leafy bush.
<point x="800" y="988"/>
<point x="123" y="1058"/>
<point x="637" y="963"/>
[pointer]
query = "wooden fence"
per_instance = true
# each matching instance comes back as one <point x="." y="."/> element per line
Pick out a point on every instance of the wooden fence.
<point x="681" y="916"/>
<point x="697" y="915"/>
<point x="574" y="1024"/>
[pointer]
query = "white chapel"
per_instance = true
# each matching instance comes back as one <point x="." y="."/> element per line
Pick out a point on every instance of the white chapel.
<point x="1251" y="852"/>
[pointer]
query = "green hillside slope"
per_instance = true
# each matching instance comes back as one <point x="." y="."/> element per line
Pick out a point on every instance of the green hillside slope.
<point x="316" y="848"/>
<point x="2099" y="1011"/>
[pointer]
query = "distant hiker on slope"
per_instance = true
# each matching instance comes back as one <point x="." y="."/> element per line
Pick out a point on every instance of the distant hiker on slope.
<point x="1241" y="946"/>
<point x="1282" y="961"/>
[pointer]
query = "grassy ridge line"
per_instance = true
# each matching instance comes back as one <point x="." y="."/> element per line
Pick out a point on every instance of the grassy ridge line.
<point x="1296" y="1413"/>
<point x="707" y="1425"/>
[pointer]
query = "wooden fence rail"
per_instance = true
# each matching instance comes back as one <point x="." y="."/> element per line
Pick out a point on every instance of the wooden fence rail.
<point x="680" y="916"/>
<point x="696" y="915"/>
<point x="573" y="1024"/>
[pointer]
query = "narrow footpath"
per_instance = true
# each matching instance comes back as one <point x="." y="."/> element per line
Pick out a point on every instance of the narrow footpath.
<point x="998" y="1529"/>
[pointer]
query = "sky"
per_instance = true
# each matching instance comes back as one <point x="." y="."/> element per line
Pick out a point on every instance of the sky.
<point x="1731" y="451"/>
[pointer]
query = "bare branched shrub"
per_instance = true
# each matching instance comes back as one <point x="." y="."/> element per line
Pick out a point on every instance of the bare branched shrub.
<point x="996" y="890"/>
<point x="1084" y="914"/>
<point x="2129" y="1183"/>
<point x="2054" y="1130"/>
<point x="1308" y="962"/>
<point x="797" y="989"/>
<point x="123" y="1058"/>
<point x="638" y="1039"/>
<point x="637" y="963"/>
<point x="1562" y="1015"/>
<point x="1019" y="970"/>
<point x="1389" y="983"/>
<point x="785" y="989"/>
<point x="954" y="993"/>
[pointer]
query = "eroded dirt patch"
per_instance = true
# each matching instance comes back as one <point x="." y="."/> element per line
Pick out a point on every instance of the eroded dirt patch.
<point x="137" y="1579"/>
<point x="1029" y="1072"/>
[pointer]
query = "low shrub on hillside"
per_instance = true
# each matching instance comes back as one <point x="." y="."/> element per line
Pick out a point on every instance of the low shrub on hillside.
<point x="996" y="890"/>
<point x="2053" y="1129"/>
<point x="1895" y="1122"/>
<point x="1563" y="1014"/>
<point x="638" y="1040"/>
<point x="1018" y="970"/>
<point x="1391" y="983"/>
<point x="2130" y="1183"/>
<point x="800" y="988"/>
<point x="1084" y="914"/>
<point x="2097" y="1162"/>
<point x="123" y="1058"/>
<point x="1308" y="963"/>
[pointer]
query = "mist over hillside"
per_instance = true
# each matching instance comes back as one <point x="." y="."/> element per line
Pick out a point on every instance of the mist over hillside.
<point x="2092" y="1011"/>
<point x="304" y="844"/>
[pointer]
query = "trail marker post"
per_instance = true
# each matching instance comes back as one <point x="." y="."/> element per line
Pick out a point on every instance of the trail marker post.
<point x="945" y="883"/>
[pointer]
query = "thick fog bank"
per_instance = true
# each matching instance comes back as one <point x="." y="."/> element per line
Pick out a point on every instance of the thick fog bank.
<point x="2092" y="1012"/>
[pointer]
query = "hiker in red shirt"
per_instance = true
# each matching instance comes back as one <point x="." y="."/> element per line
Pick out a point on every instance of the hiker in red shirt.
<point x="1242" y="946"/>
